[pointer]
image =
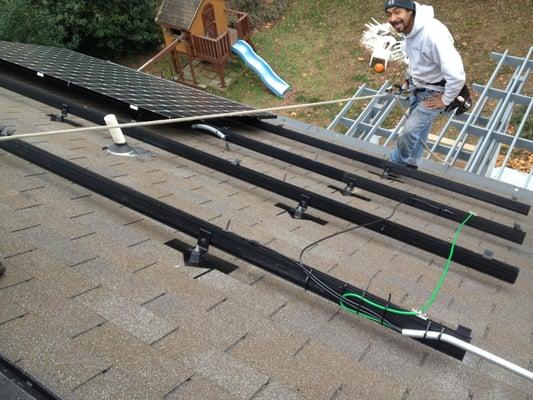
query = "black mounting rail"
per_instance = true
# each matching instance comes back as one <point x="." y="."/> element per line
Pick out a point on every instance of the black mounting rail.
<point x="235" y="245"/>
<point x="513" y="234"/>
<point x="468" y="258"/>
<point x="21" y="381"/>
<point x="454" y="186"/>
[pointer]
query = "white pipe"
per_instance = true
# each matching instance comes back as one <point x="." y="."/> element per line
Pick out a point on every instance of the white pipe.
<point x="432" y="335"/>
<point x="210" y="129"/>
<point x="188" y="119"/>
<point x="116" y="133"/>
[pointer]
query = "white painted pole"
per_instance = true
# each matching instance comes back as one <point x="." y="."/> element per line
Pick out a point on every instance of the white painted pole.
<point x="419" y="334"/>
<point x="186" y="119"/>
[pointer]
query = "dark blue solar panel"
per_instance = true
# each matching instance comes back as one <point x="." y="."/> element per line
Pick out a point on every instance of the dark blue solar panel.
<point x="137" y="89"/>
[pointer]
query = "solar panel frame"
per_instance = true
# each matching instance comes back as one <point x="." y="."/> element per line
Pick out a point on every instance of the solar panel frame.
<point x="137" y="90"/>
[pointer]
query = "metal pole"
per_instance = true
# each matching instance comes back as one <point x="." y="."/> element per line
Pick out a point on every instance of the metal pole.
<point x="441" y="134"/>
<point x="345" y="109"/>
<point x="376" y="124"/>
<point x="443" y="337"/>
<point x="508" y="115"/>
<point x="187" y="119"/>
<point x="509" y="87"/>
<point x="515" y="86"/>
<point x="394" y="133"/>
<point x="351" y="131"/>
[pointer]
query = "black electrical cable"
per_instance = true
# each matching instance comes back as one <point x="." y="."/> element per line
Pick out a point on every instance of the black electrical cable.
<point x="331" y="291"/>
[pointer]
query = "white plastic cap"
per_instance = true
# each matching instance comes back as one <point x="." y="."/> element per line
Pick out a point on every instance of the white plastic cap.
<point x="116" y="133"/>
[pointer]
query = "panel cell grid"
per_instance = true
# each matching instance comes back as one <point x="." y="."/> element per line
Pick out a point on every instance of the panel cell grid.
<point x="137" y="89"/>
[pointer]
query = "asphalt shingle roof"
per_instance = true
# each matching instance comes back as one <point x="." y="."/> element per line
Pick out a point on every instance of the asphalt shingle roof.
<point x="95" y="305"/>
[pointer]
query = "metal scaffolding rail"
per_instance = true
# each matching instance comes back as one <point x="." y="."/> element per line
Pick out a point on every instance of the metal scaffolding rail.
<point x="482" y="133"/>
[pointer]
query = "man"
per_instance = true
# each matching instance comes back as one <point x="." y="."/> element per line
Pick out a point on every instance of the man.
<point x="436" y="74"/>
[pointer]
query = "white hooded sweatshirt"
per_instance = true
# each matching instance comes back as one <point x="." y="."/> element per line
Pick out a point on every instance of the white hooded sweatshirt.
<point x="432" y="55"/>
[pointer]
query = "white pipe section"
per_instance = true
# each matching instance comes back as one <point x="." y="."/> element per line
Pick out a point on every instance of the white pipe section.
<point x="188" y="119"/>
<point x="210" y="129"/>
<point x="116" y="133"/>
<point x="432" y="335"/>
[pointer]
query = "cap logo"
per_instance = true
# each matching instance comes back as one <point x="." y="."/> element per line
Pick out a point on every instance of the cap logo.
<point x="391" y="2"/>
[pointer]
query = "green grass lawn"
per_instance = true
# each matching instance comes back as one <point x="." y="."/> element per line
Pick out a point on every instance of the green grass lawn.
<point x="316" y="48"/>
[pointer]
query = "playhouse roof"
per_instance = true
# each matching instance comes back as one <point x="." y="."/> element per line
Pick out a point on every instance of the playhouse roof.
<point x="177" y="13"/>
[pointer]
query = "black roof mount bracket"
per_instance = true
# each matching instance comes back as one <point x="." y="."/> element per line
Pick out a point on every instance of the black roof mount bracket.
<point x="298" y="212"/>
<point x="194" y="254"/>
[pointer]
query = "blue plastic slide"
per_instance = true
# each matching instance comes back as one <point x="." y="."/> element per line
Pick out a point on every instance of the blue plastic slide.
<point x="277" y="85"/>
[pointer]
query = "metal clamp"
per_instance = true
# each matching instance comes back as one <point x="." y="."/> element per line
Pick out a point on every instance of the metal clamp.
<point x="299" y="211"/>
<point x="197" y="252"/>
<point x="61" y="116"/>
<point x="351" y="183"/>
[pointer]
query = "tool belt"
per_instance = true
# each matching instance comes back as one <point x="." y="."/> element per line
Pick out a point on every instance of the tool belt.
<point x="423" y="89"/>
<point x="462" y="103"/>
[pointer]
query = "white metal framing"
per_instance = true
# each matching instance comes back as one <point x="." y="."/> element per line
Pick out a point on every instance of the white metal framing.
<point x="491" y="131"/>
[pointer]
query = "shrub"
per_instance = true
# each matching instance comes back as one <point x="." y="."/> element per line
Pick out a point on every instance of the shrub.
<point x="103" y="28"/>
<point x="21" y="21"/>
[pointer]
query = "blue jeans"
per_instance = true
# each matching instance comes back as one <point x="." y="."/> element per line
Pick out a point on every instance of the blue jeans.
<point x="410" y="141"/>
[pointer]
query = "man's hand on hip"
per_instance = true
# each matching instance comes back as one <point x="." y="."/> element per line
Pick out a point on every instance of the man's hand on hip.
<point x="435" y="102"/>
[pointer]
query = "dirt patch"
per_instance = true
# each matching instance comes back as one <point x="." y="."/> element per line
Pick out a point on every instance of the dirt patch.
<point x="521" y="160"/>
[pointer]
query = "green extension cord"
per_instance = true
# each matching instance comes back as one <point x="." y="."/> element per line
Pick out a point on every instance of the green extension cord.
<point x="426" y="305"/>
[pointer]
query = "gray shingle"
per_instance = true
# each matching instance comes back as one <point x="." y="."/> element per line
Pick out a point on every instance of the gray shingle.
<point x="129" y="316"/>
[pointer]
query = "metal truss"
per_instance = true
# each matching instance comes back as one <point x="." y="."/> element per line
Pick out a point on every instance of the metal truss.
<point x="481" y="133"/>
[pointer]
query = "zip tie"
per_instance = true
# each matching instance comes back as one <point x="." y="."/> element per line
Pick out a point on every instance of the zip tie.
<point x="360" y="302"/>
<point x="427" y="330"/>
<point x="440" y="335"/>
<point x="308" y="276"/>
<point x="385" y="310"/>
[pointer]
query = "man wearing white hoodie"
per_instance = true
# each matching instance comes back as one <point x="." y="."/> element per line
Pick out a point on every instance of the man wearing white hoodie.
<point x="436" y="74"/>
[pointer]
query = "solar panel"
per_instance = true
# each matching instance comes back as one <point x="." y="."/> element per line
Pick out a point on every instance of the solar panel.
<point x="137" y="89"/>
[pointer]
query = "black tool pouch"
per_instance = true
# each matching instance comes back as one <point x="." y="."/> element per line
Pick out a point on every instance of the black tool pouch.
<point x="462" y="103"/>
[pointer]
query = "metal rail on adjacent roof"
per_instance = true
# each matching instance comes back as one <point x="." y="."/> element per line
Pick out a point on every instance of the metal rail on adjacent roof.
<point x="245" y="249"/>
<point x="480" y="137"/>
